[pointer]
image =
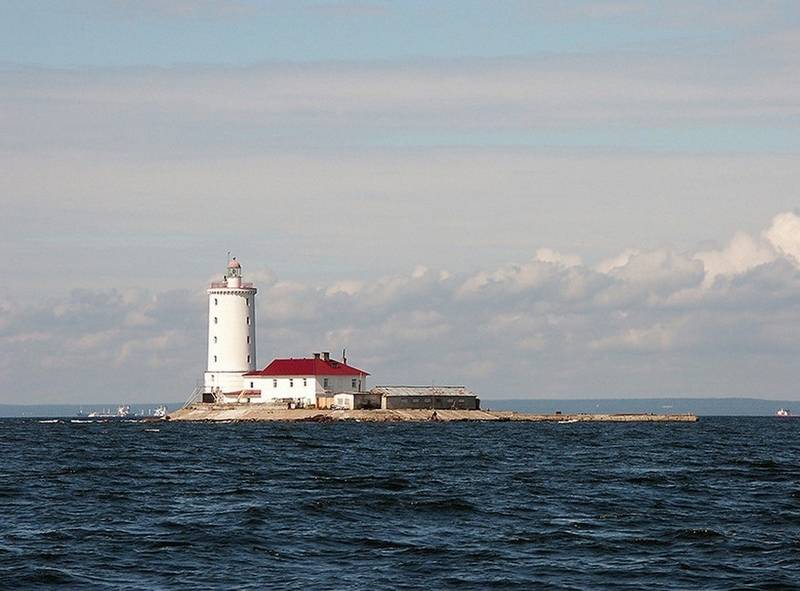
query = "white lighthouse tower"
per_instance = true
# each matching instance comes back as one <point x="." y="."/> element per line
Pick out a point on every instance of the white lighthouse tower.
<point x="231" y="332"/>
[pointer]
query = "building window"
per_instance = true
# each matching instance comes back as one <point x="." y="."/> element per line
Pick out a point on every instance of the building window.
<point x="215" y="320"/>
<point x="216" y="301"/>
<point x="291" y="382"/>
<point x="305" y="382"/>
<point x="324" y="382"/>
<point x="215" y="339"/>
<point x="353" y="383"/>
<point x="274" y="383"/>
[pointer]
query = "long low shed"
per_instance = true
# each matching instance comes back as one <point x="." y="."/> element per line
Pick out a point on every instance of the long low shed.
<point x="427" y="397"/>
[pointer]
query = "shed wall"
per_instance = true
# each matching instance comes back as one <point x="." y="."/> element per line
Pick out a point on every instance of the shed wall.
<point x="433" y="402"/>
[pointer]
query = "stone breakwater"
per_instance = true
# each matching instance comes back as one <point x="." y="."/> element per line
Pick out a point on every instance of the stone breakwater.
<point x="251" y="412"/>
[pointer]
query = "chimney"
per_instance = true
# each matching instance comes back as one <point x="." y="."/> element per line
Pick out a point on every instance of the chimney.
<point x="326" y="355"/>
<point x="316" y="355"/>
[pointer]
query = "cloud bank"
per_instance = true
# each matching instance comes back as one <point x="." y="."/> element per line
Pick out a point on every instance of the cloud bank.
<point x="646" y="322"/>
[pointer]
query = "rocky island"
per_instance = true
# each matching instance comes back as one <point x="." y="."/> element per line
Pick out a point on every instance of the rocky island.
<point x="256" y="412"/>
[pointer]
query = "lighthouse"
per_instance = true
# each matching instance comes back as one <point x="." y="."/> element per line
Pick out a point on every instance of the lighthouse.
<point x="231" y="332"/>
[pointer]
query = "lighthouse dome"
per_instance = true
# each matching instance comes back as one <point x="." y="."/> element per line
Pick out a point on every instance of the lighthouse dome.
<point x="234" y="264"/>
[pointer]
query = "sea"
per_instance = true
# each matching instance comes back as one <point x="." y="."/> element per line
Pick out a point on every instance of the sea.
<point x="364" y="506"/>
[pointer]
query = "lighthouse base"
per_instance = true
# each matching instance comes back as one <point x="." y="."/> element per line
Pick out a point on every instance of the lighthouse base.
<point x="221" y="382"/>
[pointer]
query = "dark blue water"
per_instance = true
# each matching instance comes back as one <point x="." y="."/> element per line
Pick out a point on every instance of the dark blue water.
<point x="711" y="505"/>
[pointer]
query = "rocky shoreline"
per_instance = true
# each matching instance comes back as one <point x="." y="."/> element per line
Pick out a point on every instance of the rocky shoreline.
<point x="257" y="413"/>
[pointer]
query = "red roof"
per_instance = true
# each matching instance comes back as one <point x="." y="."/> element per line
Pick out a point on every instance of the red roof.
<point x="307" y="367"/>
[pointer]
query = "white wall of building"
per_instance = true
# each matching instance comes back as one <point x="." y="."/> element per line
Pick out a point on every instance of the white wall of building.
<point x="295" y="387"/>
<point x="303" y="388"/>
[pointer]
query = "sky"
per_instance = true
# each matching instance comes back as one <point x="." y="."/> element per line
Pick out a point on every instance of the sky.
<point x="536" y="199"/>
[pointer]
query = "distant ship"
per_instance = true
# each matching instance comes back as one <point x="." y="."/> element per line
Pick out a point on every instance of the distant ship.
<point x="783" y="412"/>
<point x="123" y="412"/>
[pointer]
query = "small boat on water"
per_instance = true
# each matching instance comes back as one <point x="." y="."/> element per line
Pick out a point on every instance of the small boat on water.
<point x="123" y="412"/>
<point x="783" y="412"/>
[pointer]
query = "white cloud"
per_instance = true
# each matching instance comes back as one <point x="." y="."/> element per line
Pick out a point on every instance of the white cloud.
<point x="745" y="252"/>
<point x="346" y="287"/>
<point x="616" y="262"/>
<point x="288" y="300"/>
<point x="659" y="268"/>
<point x="548" y="255"/>
<point x="784" y="235"/>
<point x="742" y="254"/>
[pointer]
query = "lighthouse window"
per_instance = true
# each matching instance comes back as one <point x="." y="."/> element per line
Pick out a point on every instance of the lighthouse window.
<point x="248" y="359"/>
<point x="215" y="320"/>
<point x="215" y="358"/>
<point x="248" y="320"/>
<point x="291" y="382"/>
<point x="248" y="340"/>
<point x="305" y="382"/>
<point x="248" y="301"/>
<point x="216" y="301"/>
<point x="251" y="384"/>
<point x="274" y="383"/>
<point x="215" y="339"/>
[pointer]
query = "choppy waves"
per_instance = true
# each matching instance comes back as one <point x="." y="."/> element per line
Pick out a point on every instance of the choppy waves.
<point x="711" y="505"/>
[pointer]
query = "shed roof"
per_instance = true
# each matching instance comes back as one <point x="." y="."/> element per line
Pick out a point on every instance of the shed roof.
<point x="423" y="391"/>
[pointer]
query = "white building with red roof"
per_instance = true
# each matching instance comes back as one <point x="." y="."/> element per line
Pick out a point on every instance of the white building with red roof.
<point x="303" y="380"/>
